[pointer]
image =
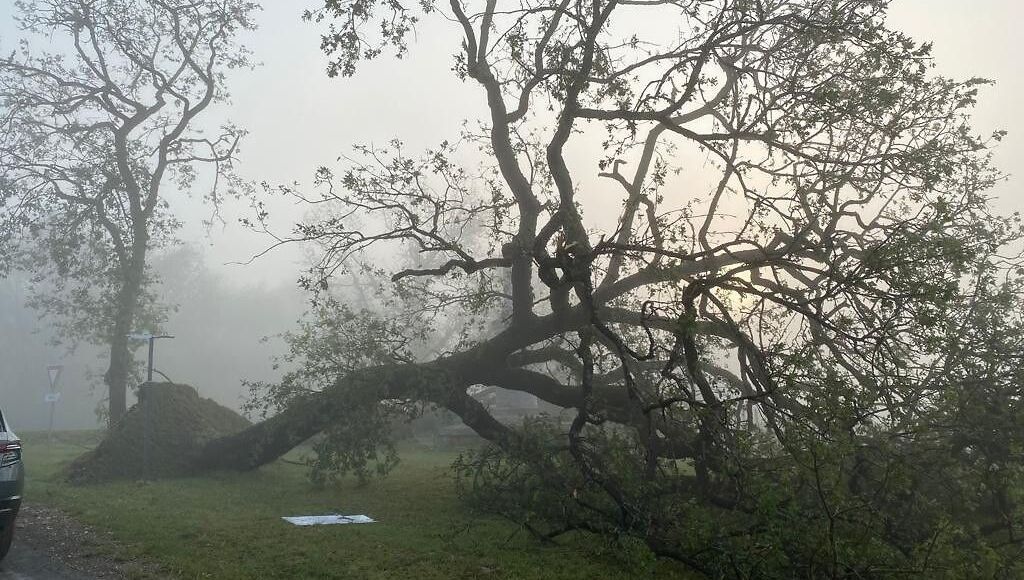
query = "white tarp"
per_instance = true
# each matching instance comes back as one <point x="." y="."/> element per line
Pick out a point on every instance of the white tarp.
<point x="327" y="520"/>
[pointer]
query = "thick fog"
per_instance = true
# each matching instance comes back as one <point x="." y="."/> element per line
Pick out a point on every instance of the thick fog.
<point x="297" y="119"/>
<point x="219" y="328"/>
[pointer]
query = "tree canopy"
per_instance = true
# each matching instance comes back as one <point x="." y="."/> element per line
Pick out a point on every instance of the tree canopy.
<point x="97" y="138"/>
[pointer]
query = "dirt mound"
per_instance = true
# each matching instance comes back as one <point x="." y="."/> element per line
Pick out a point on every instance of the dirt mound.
<point x="159" y="437"/>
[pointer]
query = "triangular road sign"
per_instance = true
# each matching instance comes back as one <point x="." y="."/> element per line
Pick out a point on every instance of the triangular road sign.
<point x="54" y="372"/>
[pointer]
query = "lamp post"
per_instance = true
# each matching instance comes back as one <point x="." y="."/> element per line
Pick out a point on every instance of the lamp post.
<point x="151" y="339"/>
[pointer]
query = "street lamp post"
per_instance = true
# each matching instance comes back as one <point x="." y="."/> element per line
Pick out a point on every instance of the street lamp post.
<point x="151" y="339"/>
<point x="146" y="420"/>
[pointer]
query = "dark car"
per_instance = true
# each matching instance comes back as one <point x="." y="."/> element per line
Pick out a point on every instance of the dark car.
<point x="12" y="481"/>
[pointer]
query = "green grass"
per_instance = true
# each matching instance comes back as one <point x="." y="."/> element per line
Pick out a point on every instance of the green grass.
<point x="228" y="525"/>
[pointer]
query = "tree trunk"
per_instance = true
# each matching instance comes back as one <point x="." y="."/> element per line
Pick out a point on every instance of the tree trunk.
<point x="440" y="382"/>
<point x="116" y="376"/>
<point x="119" y="369"/>
<point x="443" y="382"/>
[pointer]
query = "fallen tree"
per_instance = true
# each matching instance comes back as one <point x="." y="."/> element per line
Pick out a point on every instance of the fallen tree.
<point x="809" y="367"/>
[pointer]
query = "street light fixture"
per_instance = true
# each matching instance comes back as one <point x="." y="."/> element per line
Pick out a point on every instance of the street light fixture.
<point x="151" y="338"/>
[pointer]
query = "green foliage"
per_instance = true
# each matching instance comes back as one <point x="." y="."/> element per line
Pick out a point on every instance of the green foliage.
<point x="331" y="342"/>
<point x="359" y="444"/>
<point x="346" y="38"/>
<point x="870" y="506"/>
<point x="882" y="477"/>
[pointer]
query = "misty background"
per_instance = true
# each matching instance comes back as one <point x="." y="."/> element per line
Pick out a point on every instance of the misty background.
<point x="297" y="118"/>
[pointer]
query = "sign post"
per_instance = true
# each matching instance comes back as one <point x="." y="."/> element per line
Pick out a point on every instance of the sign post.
<point x="151" y="339"/>
<point x="53" y="371"/>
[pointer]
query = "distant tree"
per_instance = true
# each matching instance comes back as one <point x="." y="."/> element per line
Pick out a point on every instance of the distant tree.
<point x="807" y="368"/>
<point x="98" y="137"/>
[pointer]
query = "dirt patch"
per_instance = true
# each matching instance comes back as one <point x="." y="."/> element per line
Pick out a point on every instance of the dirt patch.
<point x="57" y="543"/>
<point x="159" y="437"/>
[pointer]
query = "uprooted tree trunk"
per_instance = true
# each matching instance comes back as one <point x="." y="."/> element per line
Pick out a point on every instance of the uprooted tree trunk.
<point x="266" y="441"/>
<point x="443" y="382"/>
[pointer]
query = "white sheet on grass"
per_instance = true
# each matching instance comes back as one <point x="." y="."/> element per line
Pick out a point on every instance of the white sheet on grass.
<point x="326" y="520"/>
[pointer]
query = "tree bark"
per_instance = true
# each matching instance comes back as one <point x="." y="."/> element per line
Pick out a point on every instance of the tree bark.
<point x="440" y="382"/>
<point x="119" y="370"/>
<point x="116" y="377"/>
<point x="443" y="382"/>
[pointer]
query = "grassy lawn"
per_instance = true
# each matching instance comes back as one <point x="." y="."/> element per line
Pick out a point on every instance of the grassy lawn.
<point x="228" y="525"/>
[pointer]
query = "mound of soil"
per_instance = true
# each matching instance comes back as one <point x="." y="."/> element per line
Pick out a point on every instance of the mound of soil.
<point x="157" y="438"/>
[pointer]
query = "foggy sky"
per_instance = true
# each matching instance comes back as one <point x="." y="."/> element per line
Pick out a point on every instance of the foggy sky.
<point x="298" y="118"/>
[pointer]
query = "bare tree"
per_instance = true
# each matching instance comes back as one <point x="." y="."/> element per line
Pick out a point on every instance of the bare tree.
<point x="97" y="139"/>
